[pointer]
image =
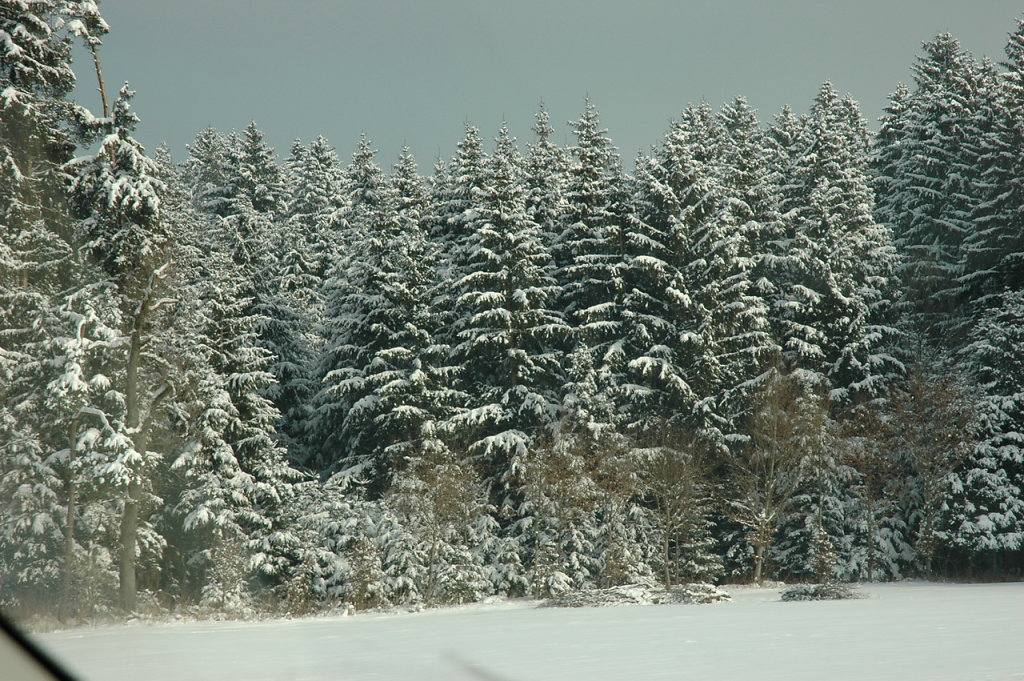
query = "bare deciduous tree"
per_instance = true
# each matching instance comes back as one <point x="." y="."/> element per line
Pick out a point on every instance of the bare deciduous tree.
<point x="786" y="423"/>
<point x="673" y="478"/>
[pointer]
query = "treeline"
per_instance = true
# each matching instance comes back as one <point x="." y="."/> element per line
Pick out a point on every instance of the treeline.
<point x="239" y="385"/>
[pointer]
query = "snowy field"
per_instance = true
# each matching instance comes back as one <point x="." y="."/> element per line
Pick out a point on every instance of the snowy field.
<point x="899" y="632"/>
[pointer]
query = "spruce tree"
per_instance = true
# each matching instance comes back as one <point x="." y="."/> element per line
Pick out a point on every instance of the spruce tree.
<point x="507" y="331"/>
<point x="992" y="250"/>
<point x="930" y="192"/>
<point x="835" y="276"/>
<point x="116" y="195"/>
<point x="36" y="257"/>
<point x="545" y="169"/>
<point x="354" y="305"/>
<point x="987" y="516"/>
<point x="589" y="251"/>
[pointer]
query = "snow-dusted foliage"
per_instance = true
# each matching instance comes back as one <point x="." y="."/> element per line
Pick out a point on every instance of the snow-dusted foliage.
<point x="927" y="179"/>
<point x="833" y="263"/>
<point x="508" y="331"/>
<point x="768" y="352"/>
<point x="588" y="252"/>
<point x="988" y="509"/>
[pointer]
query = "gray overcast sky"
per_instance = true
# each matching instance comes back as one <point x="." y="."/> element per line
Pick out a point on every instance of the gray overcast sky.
<point x="412" y="71"/>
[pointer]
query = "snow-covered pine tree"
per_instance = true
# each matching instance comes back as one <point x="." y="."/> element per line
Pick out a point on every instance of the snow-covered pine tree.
<point x="557" y="529"/>
<point x="876" y="544"/>
<point x="674" y="482"/>
<point x="359" y="320"/>
<point x="410" y="377"/>
<point x="61" y="329"/>
<point x="642" y="369"/>
<point x="834" y="263"/>
<point x="545" y="171"/>
<point x="697" y="324"/>
<point x="929" y="186"/>
<point x="785" y="426"/>
<point x="719" y="266"/>
<point x="116" y="196"/>
<point x="365" y="197"/>
<point x="507" y="329"/>
<point x="208" y="511"/>
<point x="1011" y="106"/>
<point x="209" y="171"/>
<point x="746" y="165"/>
<point x="816" y="519"/>
<point x="291" y="303"/>
<point x="242" y="418"/>
<point x="439" y="497"/>
<point x="887" y="156"/>
<point x="247" y="229"/>
<point x="454" y="191"/>
<point x="315" y="182"/>
<point x="36" y="140"/>
<point x="55" y="425"/>
<point x="35" y="78"/>
<point x="394" y="382"/>
<point x="588" y="253"/>
<point x="986" y="514"/>
<point x="993" y="251"/>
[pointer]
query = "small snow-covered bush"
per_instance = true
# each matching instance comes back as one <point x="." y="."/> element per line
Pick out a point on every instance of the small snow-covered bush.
<point x="638" y="594"/>
<point x="627" y="594"/>
<point x="819" y="592"/>
<point x="697" y="594"/>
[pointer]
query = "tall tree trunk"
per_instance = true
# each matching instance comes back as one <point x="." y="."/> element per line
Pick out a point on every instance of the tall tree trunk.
<point x="431" y="571"/>
<point x="758" y="562"/>
<point x="129" y="542"/>
<point x="871" y="542"/>
<point x="68" y="567"/>
<point x="130" y="518"/>
<point x="666" y="558"/>
<point x="99" y="78"/>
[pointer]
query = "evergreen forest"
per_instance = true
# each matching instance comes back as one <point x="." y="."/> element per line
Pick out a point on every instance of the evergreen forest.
<point x="241" y="383"/>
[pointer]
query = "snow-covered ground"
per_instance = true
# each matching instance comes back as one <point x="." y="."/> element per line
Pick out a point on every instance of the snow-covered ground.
<point x="899" y="632"/>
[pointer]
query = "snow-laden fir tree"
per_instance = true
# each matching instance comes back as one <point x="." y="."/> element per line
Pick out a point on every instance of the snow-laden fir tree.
<point x="876" y="543"/>
<point x="557" y="530"/>
<point x="728" y="311"/>
<point x="116" y="196"/>
<point x="928" y="189"/>
<point x="545" y="176"/>
<point x="35" y="78"/>
<point x="694" y="319"/>
<point x="816" y="519"/>
<point x="440" y="497"/>
<point x="833" y="263"/>
<point x="588" y="253"/>
<point x="315" y="182"/>
<point x="746" y="165"/>
<point x="785" y="427"/>
<point x="359" y="320"/>
<point x="454" y="191"/>
<point x="291" y="303"/>
<point x="389" y="377"/>
<point x="54" y="434"/>
<point x="993" y="251"/>
<point x="674" y="482"/>
<point x="237" y="415"/>
<point x="645" y="366"/>
<point x="209" y="171"/>
<point x="247" y="227"/>
<point x="508" y="333"/>
<point x="986" y="516"/>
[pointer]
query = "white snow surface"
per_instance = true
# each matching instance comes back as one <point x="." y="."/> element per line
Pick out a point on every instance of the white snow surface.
<point x="898" y="632"/>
